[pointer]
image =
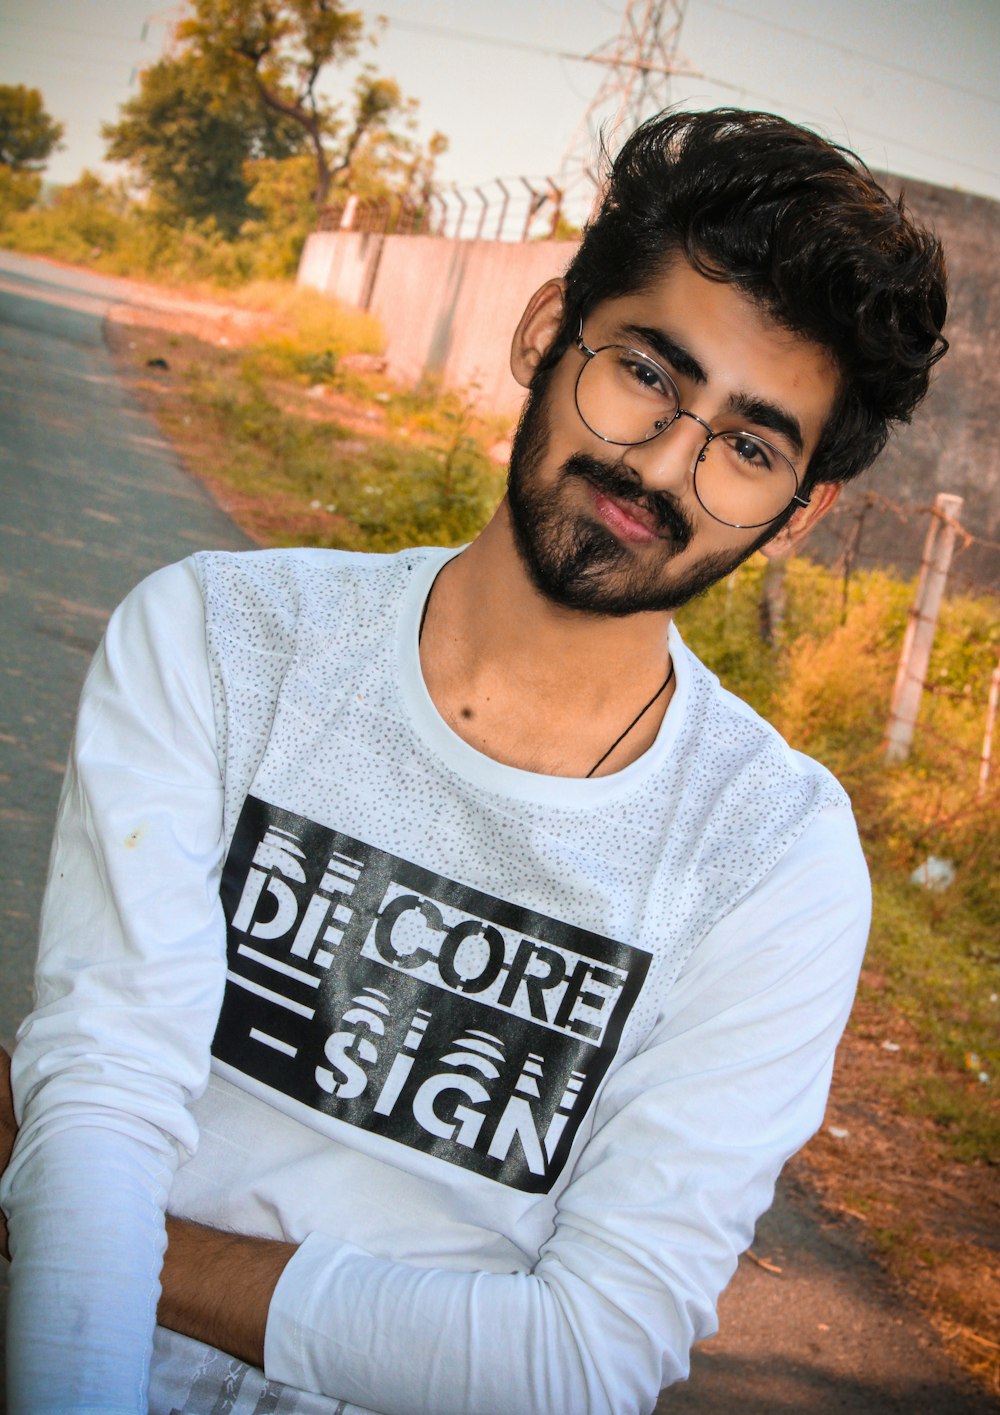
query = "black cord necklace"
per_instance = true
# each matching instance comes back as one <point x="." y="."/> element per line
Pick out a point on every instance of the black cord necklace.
<point x="639" y="715"/>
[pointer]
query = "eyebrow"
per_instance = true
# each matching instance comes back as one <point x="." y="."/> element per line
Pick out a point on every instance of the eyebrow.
<point x="667" y="349"/>
<point x="758" y="411"/>
<point x="769" y="415"/>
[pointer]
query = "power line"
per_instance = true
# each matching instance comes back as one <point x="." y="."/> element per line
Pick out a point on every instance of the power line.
<point x="864" y="55"/>
<point x="490" y="40"/>
<point x="498" y="42"/>
<point x="66" y="29"/>
<point x="116" y="64"/>
<point x="824" y="119"/>
<point x="494" y="41"/>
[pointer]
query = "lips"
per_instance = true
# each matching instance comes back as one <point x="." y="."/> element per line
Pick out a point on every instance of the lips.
<point x="627" y="518"/>
<point x="631" y="514"/>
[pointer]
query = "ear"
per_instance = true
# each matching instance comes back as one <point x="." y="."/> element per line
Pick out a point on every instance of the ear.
<point x="822" y="497"/>
<point x="537" y="330"/>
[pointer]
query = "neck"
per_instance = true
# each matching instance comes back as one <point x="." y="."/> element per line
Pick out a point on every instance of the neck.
<point x="530" y="682"/>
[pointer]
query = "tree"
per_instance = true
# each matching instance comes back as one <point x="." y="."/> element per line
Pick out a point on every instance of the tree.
<point x="191" y="140"/>
<point x="28" y="135"/>
<point x="281" y="49"/>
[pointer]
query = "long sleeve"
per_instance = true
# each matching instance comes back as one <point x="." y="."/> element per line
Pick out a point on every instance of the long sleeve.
<point x="688" y="1140"/>
<point x="130" y="975"/>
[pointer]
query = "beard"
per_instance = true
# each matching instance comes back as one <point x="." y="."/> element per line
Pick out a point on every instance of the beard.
<point x="574" y="560"/>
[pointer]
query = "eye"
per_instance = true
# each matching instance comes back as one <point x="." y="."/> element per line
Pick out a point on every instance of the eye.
<point x="645" y="375"/>
<point x="749" y="454"/>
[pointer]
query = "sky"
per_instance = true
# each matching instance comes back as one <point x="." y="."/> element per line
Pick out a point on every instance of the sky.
<point x="912" y="85"/>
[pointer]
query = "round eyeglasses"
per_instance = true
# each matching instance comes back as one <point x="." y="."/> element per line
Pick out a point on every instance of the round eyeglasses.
<point x="626" y="398"/>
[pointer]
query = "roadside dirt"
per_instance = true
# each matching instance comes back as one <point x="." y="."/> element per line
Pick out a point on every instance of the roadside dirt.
<point x="931" y="1224"/>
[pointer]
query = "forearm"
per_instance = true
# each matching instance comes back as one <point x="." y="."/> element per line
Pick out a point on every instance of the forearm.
<point x="86" y="1238"/>
<point x="216" y="1287"/>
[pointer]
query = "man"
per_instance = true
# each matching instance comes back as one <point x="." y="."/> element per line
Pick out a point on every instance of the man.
<point x="524" y="947"/>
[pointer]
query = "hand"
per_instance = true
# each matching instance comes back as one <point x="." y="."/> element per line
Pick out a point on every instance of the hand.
<point x="8" y="1132"/>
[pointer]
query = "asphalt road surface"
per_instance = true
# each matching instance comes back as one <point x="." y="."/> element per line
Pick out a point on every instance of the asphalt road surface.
<point x="93" y="499"/>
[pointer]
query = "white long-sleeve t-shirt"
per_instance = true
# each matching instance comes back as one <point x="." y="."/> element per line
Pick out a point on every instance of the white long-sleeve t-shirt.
<point x="514" y="1059"/>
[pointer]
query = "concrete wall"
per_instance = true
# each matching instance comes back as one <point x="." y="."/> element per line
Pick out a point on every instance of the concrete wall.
<point x="448" y="308"/>
<point x="342" y="264"/>
<point x="953" y="443"/>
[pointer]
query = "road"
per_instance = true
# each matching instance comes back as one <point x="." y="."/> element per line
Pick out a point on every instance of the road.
<point x="94" y="499"/>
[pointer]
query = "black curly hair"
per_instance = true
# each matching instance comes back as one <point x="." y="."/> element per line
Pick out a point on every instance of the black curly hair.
<point x="802" y="227"/>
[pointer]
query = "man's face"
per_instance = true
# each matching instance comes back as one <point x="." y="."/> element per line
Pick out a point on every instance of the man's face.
<point x="618" y="530"/>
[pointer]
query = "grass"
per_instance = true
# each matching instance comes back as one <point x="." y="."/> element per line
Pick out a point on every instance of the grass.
<point x="378" y="492"/>
<point x="941" y="975"/>
<point x="354" y="463"/>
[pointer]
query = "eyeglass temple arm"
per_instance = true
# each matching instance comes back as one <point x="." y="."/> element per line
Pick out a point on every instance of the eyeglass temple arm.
<point x="579" y="341"/>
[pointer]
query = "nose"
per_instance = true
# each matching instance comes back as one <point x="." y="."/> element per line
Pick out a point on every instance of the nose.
<point x="667" y="462"/>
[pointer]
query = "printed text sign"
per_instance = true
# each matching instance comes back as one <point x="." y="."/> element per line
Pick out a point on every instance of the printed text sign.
<point x="412" y="1006"/>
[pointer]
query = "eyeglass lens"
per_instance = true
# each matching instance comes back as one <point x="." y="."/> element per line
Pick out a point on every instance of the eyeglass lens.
<point x="626" y="399"/>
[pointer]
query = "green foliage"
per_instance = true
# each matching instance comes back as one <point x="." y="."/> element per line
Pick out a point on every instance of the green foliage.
<point x="190" y="141"/>
<point x="425" y="480"/>
<point x="311" y="335"/>
<point x="282" y="42"/>
<point x="277" y="53"/>
<point x="939" y="967"/>
<point x="28" y="135"/>
<point x="723" y="626"/>
<point x="565" y="230"/>
<point x="233" y="146"/>
<point x="91" y="223"/>
<point x="87" y="222"/>
<point x="283" y="214"/>
<point x="18" y="192"/>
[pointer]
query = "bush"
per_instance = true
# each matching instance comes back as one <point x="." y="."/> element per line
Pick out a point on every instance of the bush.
<point x="18" y="191"/>
<point x="310" y="333"/>
<point x="96" y="224"/>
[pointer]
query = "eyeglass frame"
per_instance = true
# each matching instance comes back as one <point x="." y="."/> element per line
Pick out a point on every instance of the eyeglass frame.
<point x="589" y="353"/>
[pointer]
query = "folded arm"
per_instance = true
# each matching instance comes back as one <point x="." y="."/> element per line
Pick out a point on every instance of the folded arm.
<point x="687" y="1142"/>
<point x="202" y="1266"/>
<point x="689" y="1137"/>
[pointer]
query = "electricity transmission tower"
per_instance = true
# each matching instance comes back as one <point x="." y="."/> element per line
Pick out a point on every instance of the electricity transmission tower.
<point x="637" y="65"/>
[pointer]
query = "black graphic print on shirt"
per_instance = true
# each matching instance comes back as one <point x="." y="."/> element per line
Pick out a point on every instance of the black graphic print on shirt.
<point x="417" y="1008"/>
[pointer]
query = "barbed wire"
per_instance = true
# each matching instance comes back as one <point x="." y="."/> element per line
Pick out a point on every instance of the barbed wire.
<point x="513" y="209"/>
<point x="849" y="520"/>
<point x="957" y="788"/>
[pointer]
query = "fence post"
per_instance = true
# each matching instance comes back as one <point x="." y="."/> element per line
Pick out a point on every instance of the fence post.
<point x="991" y="713"/>
<point x="462" y="206"/>
<point x="919" y="636"/>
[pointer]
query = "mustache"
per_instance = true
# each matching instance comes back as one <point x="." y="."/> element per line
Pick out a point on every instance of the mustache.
<point x="669" y="516"/>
